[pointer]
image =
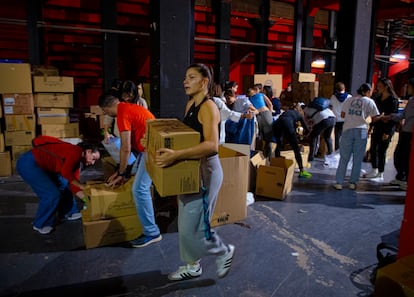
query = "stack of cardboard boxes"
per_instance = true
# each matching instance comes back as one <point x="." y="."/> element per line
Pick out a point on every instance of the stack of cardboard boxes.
<point x="18" y="110"/>
<point x="53" y="99"/>
<point x="304" y="87"/>
<point x="110" y="215"/>
<point x="326" y="84"/>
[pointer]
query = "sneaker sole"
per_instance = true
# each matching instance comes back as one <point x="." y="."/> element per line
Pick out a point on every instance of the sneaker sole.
<point x="184" y="276"/>
<point x="159" y="238"/>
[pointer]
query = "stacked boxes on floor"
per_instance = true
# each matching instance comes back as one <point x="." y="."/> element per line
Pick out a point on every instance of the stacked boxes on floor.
<point x="18" y="111"/>
<point x="110" y="215"/>
<point x="326" y="84"/>
<point x="53" y="99"/>
<point x="304" y="87"/>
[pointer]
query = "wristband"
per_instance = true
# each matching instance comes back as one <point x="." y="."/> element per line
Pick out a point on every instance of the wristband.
<point x="123" y="174"/>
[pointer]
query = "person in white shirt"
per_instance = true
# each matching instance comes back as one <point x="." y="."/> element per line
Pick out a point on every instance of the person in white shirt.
<point x="355" y="112"/>
<point x="336" y="102"/>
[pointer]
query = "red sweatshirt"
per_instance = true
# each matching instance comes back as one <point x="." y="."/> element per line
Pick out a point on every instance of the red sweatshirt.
<point x="57" y="156"/>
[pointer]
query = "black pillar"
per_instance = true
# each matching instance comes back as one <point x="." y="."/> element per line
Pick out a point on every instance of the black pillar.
<point x="385" y="49"/>
<point x="373" y="39"/>
<point x="330" y="59"/>
<point x="307" y="41"/>
<point x="411" y="67"/>
<point x="262" y="26"/>
<point x="222" y="11"/>
<point x="110" y="43"/>
<point x="353" y="32"/>
<point x="34" y="12"/>
<point x="172" y="51"/>
<point x="297" y="44"/>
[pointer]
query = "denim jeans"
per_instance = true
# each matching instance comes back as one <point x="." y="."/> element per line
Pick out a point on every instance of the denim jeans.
<point x="353" y="142"/>
<point x="51" y="188"/>
<point x="142" y="197"/>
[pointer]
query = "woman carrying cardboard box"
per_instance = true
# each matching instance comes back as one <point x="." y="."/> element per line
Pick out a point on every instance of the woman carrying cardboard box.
<point x="196" y="238"/>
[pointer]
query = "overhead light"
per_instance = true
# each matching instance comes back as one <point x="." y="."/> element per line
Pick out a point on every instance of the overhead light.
<point x="398" y="58"/>
<point x="318" y="64"/>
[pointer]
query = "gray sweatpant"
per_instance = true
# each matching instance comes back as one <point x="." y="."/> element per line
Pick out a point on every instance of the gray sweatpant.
<point x="196" y="238"/>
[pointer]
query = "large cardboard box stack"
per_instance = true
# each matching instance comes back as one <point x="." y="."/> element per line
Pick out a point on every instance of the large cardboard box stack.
<point x="231" y="205"/>
<point x="96" y="113"/>
<point x="18" y="110"/>
<point x="326" y="84"/>
<point x="275" y="181"/>
<point x="182" y="177"/>
<point x="304" y="87"/>
<point x="110" y="215"/>
<point x="53" y="100"/>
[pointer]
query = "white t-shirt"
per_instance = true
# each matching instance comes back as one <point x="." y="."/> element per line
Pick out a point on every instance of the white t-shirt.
<point x="357" y="110"/>
<point x="315" y="117"/>
<point x="337" y="107"/>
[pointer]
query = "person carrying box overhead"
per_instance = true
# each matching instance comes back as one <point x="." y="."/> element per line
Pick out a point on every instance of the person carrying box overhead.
<point x="131" y="120"/>
<point x="52" y="169"/>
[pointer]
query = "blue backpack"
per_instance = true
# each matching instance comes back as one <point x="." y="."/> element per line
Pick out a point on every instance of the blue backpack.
<point x="319" y="103"/>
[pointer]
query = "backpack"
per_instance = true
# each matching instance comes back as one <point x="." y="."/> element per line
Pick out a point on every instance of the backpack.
<point x="319" y="103"/>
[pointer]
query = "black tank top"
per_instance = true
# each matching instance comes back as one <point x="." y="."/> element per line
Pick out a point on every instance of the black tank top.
<point x="191" y="119"/>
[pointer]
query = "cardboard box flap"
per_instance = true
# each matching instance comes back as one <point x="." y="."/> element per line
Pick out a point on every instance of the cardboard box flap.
<point x="225" y="152"/>
<point x="258" y="160"/>
<point x="281" y="162"/>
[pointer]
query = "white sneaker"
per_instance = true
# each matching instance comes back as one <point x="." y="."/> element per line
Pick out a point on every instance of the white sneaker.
<point x="73" y="217"/>
<point x="224" y="262"/>
<point x="403" y="187"/>
<point x="378" y="178"/>
<point x="397" y="182"/>
<point x="43" y="230"/>
<point x="352" y="186"/>
<point x="186" y="272"/>
<point x="372" y="174"/>
<point x="337" y="186"/>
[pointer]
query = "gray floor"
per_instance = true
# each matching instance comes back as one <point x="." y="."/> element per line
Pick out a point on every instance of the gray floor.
<point x="318" y="242"/>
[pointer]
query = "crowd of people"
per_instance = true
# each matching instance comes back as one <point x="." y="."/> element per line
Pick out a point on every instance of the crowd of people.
<point x="52" y="167"/>
<point x="369" y="114"/>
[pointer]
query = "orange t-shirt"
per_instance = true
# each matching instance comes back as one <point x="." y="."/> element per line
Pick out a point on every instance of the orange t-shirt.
<point x="132" y="117"/>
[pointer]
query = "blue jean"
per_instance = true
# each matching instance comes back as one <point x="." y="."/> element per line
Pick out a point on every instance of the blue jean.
<point x="353" y="142"/>
<point x="51" y="188"/>
<point x="142" y="197"/>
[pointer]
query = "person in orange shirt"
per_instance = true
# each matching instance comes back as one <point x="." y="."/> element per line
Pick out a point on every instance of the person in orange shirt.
<point x="131" y="120"/>
<point x="52" y="169"/>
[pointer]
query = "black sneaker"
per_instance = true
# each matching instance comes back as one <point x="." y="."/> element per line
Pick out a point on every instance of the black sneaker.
<point x="145" y="240"/>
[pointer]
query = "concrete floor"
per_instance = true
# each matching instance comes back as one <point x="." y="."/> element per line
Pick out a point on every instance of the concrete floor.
<point x="318" y="242"/>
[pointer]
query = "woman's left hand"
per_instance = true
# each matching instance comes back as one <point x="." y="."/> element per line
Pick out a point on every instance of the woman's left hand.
<point x="165" y="157"/>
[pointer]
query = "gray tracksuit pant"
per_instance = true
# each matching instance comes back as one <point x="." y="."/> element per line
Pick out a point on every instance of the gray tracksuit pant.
<point x="196" y="238"/>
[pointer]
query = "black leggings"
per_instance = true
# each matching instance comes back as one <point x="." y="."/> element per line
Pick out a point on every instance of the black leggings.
<point x="284" y="128"/>
<point x="378" y="150"/>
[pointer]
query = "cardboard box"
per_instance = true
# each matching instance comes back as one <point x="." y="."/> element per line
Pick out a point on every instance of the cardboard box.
<point x="305" y="91"/>
<point x="51" y="115"/>
<point x="18" y="103"/>
<point x="106" y="232"/>
<point x="256" y="161"/>
<point x="5" y="161"/>
<point x="2" y="144"/>
<point x="106" y="203"/>
<point x="303" y="77"/>
<point x="231" y="203"/>
<point x="18" y="150"/>
<point x="170" y="133"/>
<point x="289" y="154"/>
<point x="96" y="109"/>
<point x="275" y="181"/>
<point x="15" y="78"/>
<point x="61" y="130"/>
<point x="273" y="80"/>
<point x="53" y="100"/>
<point x="396" y="279"/>
<point x="53" y="84"/>
<point x="41" y="70"/>
<point x="182" y="177"/>
<point x="20" y="122"/>
<point x="19" y="137"/>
